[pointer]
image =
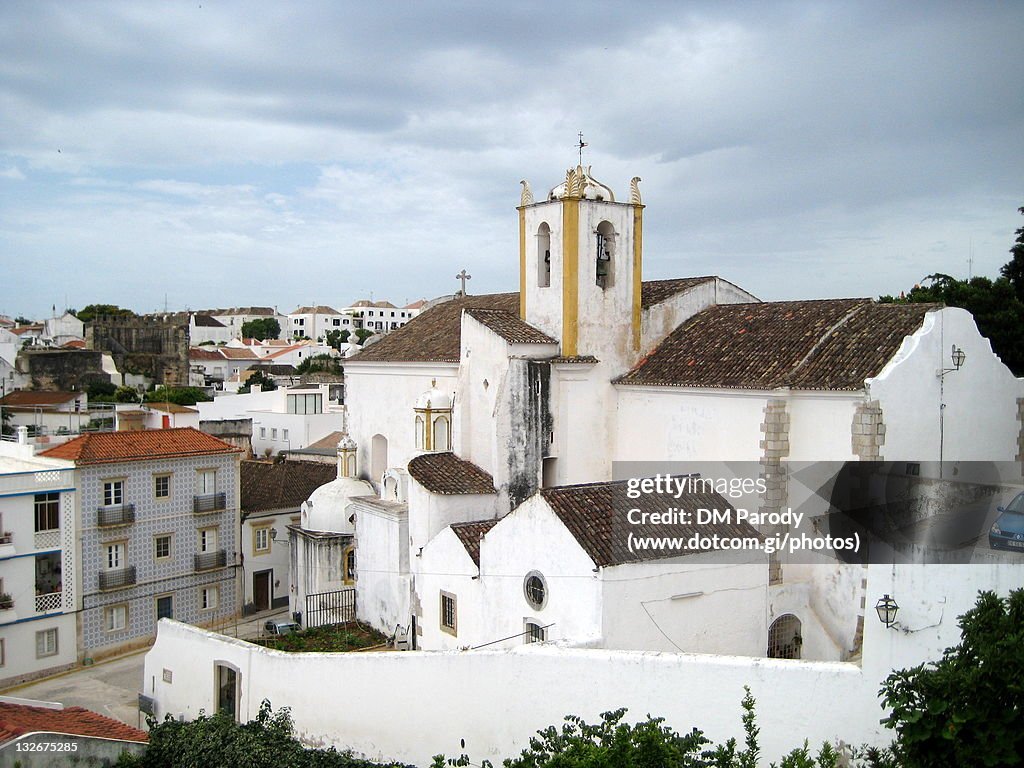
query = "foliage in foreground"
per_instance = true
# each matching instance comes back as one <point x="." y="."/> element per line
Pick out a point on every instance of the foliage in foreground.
<point x="220" y="742"/>
<point x="651" y="744"/>
<point x="330" y="638"/>
<point x="968" y="707"/>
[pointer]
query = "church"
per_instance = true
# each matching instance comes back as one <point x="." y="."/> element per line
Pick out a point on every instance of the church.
<point x="492" y="431"/>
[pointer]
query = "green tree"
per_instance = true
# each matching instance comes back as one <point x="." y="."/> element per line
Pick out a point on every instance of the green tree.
<point x="362" y="334"/>
<point x="101" y="391"/>
<point x="220" y="742"/>
<point x="966" y="708"/>
<point x="337" y="338"/>
<point x="1013" y="270"/>
<point x="320" y="363"/>
<point x="259" y="379"/>
<point x="261" y="328"/>
<point x="91" y="311"/>
<point x="178" y="395"/>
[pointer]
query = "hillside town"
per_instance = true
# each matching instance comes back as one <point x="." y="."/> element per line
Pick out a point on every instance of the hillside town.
<point x="453" y="483"/>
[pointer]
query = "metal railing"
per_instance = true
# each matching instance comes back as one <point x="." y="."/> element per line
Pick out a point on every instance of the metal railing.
<point x="209" y="502"/>
<point x="117" y="578"/>
<point x="204" y="561"/>
<point x="121" y="514"/>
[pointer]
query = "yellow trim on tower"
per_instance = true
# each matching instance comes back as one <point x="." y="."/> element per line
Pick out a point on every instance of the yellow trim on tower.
<point x="638" y="250"/>
<point x="570" y="275"/>
<point x="522" y="262"/>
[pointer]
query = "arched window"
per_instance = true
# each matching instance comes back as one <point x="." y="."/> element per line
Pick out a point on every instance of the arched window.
<point x="784" y="638"/>
<point x="378" y="457"/>
<point x="543" y="256"/>
<point x="441" y="434"/>
<point x="420" y="441"/>
<point x="604" y="274"/>
<point x="349" y="561"/>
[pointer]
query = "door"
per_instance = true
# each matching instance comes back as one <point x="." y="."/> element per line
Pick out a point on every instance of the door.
<point x="261" y="590"/>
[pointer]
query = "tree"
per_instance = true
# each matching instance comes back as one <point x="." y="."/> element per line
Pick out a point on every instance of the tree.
<point x="1013" y="270"/>
<point x="260" y="379"/>
<point x="362" y="334"/>
<point x="337" y="338"/>
<point x="966" y="708"/>
<point x="320" y="364"/>
<point x="997" y="305"/>
<point x="178" y="395"/>
<point x="261" y="328"/>
<point x="206" y="742"/>
<point x="101" y="391"/>
<point x="91" y="311"/>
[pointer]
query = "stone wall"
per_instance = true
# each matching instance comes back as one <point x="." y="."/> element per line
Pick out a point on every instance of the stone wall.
<point x="868" y="431"/>
<point x="774" y="448"/>
<point x="150" y="346"/>
<point x="61" y="370"/>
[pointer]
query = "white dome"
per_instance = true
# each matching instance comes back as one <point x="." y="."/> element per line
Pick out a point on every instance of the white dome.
<point x="325" y="508"/>
<point x="346" y="443"/>
<point x="434" y="399"/>
<point x="590" y="188"/>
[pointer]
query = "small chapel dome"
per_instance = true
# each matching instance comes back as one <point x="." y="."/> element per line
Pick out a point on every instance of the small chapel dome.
<point x="346" y="443"/>
<point x="434" y="399"/>
<point x="590" y="188"/>
<point x="325" y="508"/>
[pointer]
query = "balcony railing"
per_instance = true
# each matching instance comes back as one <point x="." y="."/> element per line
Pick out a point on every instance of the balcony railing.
<point x="121" y="514"/>
<point x="49" y="602"/>
<point x="206" y="560"/>
<point x="117" y="578"/>
<point x="209" y="502"/>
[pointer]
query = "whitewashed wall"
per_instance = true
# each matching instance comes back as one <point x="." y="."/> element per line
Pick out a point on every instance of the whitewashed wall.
<point x="380" y="399"/>
<point x="446" y="566"/>
<point x="383" y="581"/>
<point x="980" y="418"/>
<point x="495" y="700"/>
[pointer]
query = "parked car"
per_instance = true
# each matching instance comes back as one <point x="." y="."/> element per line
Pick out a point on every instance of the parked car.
<point x="280" y="627"/>
<point x="1008" y="530"/>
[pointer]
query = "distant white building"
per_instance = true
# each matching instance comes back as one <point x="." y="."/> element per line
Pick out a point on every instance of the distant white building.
<point x="314" y="322"/>
<point x="381" y="316"/>
<point x="235" y="317"/>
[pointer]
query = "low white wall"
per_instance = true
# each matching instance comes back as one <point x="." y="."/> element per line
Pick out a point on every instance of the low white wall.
<point x="496" y="700"/>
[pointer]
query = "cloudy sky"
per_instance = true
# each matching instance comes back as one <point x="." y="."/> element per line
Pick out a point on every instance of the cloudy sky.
<point x="225" y="153"/>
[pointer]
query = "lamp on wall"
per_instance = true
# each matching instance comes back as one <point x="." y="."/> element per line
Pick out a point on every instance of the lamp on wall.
<point x="273" y="537"/>
<point x="886" y="608"/>
<point x="957" y="356"/>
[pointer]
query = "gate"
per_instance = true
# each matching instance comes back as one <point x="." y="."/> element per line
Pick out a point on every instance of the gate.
<point x="330" y="608"/>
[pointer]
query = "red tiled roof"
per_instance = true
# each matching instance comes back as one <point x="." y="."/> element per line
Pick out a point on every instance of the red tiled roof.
<point x="470" y="534"/>
<point x="233" y="353"/>
<point x="656" y="291"/>
<point x="320" y="309"/>
<point x="117" y="447"/>
<point x="509" y="327"/>
<point x="74" y="344"/>
<point x="19" y="719"/>
<point x="832" y="344"/>
<point x="25" y="397"/>
<point x="447" y="474"/>
<point x="279" y="486"/>
<point x="595" y="514"/>
<point x="202" y="353"/>
<point x="171" y="408"/>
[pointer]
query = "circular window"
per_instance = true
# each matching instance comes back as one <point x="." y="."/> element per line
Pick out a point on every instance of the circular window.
<point x="536" y="590"/>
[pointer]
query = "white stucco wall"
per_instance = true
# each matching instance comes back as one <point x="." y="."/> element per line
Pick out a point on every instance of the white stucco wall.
<point x="530" y="687"/>
<point x="532" y="538"/>
<point x="980" y="417"/>
<point x="685" y="605"/>
<point x="445" y="566"/>
<point x="430" y="513"/>
<point x="383" y="580"/>
<point x="380" y="399"/>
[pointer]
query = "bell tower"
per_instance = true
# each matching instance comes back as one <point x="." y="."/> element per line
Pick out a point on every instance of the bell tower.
<point x="580" y="258"/>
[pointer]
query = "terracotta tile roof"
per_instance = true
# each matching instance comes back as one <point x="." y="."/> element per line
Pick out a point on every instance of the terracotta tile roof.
<point x="415" y="304"/>
<point x="19" y="719"/>
<point x="595" y="514"/>
<point x="233" y="353"/>
<point x="434" y="335"/>
<point x="470" y="534"/>
<point x="320" y="309"/>
<point x="832" y="344"/>
<point x="447" y="474"/>
<point x="275" y="369"/>
<point x="28" y="398"/>
<point x="656" y="291"/>
<point x="509" y="326"/>
<point x="384" y="305"/>
<point x="576" y="359"/>
<point x="207" y="321"/>
<point x="74" y="344"/>
<point x="243" y="311"/>
<point x="287" y="484"/>
<point x="117" y="447"/>
<point x="281" y="352"/>
<point x="329" y="442"/>
<point x="204" y="353"/>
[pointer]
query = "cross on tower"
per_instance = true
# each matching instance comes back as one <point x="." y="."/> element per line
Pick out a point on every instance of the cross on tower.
<point x="463" y="277"/>
<point x="582" y="144"/>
